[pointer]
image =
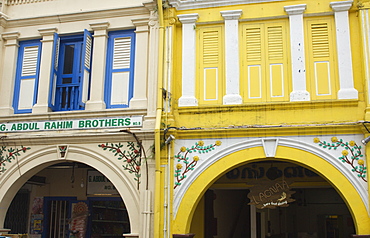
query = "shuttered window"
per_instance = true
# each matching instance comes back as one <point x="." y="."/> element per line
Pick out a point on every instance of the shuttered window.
<point x="70" y="75"/>
<point x="210" y="71"/>
<point x="120" y="69"/>
<point x="265" y="62"/>
<point x="321" y="65"/>
<point x="27" y="75"/>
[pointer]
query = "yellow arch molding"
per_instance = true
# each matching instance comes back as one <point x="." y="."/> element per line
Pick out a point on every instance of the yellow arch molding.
<point x="182" y="222"/>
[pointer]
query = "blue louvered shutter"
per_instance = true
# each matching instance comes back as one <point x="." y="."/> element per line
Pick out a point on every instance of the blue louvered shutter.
<point x="120" y="69"/>
<point x="86" y="68"/>
<point x="27" y="75"/>
<point x="54" y="72"/>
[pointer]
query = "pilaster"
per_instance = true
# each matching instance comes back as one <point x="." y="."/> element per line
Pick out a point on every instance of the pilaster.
<point x="232" y="57"/>
<point x="188" y="60"/>
<point x="139" y="99"/>
<point x="347" y="90"/>
<point x="8" y="74"/>
<point x="42" y="105"/>
<point x="96" y="101"/>
<point x="299" y="92"/>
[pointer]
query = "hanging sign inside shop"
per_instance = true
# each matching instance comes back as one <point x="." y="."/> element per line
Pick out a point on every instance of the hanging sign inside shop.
<point x="97" y="123"/>
<point x="97" y="183"/>
<point x="270" y="194"/>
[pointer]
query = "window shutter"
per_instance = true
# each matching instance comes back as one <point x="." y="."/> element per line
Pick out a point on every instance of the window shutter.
<point x="253" y="43"/>
<point x="265" y="62"/>
<point x="27" y="76"/>
<point x="211" y="68"/>
<point x="54" y="71"/>
<point x="120" y="69"/>
<point x="86" y="68"/>
<point x="122" y="53"/>
<point x="276" y="76"/>
<point x="321" y="73"/>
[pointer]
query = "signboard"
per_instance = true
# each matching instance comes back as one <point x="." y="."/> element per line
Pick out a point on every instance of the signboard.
<point x="96" y="123"/>
<point x="97" y="183"/>
<point x="270" y="194"/>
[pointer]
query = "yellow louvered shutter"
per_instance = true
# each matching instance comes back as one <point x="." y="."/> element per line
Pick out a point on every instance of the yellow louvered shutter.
<point x="321" y="67"/>
<point x="210" y="71"/>
<point x="264" y="62"/>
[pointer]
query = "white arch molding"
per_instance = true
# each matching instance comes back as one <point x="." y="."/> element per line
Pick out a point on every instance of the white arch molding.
<point x="327" y="155"/>
<point x="30" y="164"/>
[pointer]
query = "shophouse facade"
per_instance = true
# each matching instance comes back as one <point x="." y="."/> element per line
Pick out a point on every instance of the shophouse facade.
<point x="266" y="105"/>
<point x="77" y="116"/>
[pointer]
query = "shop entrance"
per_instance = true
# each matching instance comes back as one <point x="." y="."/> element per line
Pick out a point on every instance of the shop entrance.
<point x="68" y="200"/>
<point x="242" y="204"/>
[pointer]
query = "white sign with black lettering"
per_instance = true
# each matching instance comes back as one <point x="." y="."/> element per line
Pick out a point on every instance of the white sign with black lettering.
<point x="97" y="183"/>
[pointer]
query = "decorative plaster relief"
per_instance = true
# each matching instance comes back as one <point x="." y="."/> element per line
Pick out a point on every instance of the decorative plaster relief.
<point x="185" y="164"/>
<point x="129" y="154"/>
<point x="351" y="154"/>
<point x="18" y="2"/>
<point x="8" y="154"/>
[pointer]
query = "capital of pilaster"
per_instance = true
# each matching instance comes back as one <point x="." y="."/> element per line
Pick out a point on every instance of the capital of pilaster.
<point x="231" y="15"/>
<point x="140" y="21"/>
<point x="188" y="18"/>
<point x="295" y="9"/>
<point x="99" y="25"/>
<point x="11" y="38"/>
<point x="48" y="31"/>
<point x="10" y="35"/>
<point x="341" y="6"/>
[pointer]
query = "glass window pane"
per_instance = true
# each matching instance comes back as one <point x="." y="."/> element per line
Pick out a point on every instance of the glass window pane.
<point x="66" y="80"/>
<point x="68" y="59"/>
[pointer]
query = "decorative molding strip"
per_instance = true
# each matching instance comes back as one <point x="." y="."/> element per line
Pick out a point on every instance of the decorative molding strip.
<point x="19" y="2"/>
<point x="193" y="4"/>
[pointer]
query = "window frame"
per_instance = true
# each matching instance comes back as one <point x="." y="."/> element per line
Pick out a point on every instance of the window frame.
<point x="19" y="77"/>
<point x="84" y="68"/>
<point x="110" y="70"/>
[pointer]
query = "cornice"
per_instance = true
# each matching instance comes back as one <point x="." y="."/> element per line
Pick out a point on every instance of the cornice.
<point x="78" y="16"/>
<point x="194" y="4"/>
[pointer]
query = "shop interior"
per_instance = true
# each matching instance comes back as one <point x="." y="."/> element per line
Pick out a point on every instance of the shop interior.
<point x="315" y="209"/>
<point x="68" y="200"/>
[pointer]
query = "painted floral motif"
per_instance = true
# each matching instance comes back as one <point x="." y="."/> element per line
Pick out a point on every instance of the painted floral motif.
<point x="187" y="163"/>
<point x="9" y="154"/>
<point x="351" y="154"/>
<point x="130" y="156"/>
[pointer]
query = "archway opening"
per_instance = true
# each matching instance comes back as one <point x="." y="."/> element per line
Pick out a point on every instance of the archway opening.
<point x="272" y="199"/>
<point x="68" y="199"/>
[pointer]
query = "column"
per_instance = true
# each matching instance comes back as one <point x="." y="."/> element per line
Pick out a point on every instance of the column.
<point x="42" y="105"/>
<point x="139" y="99"/>
<point x="188" y="60"/>
<point x="299" y="92"/>
<point x="347" y="90"/>
<point x="98" y="66"/>
<point x="232" y="57"/>
<point x="8" y="74"/>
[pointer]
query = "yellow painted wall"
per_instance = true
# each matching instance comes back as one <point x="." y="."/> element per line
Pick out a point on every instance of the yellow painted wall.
<point x="323" y="115"/>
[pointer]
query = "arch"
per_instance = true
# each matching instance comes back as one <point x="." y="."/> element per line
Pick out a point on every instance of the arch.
<point x="16" y="175"/>
<point x="235" y="156"/>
